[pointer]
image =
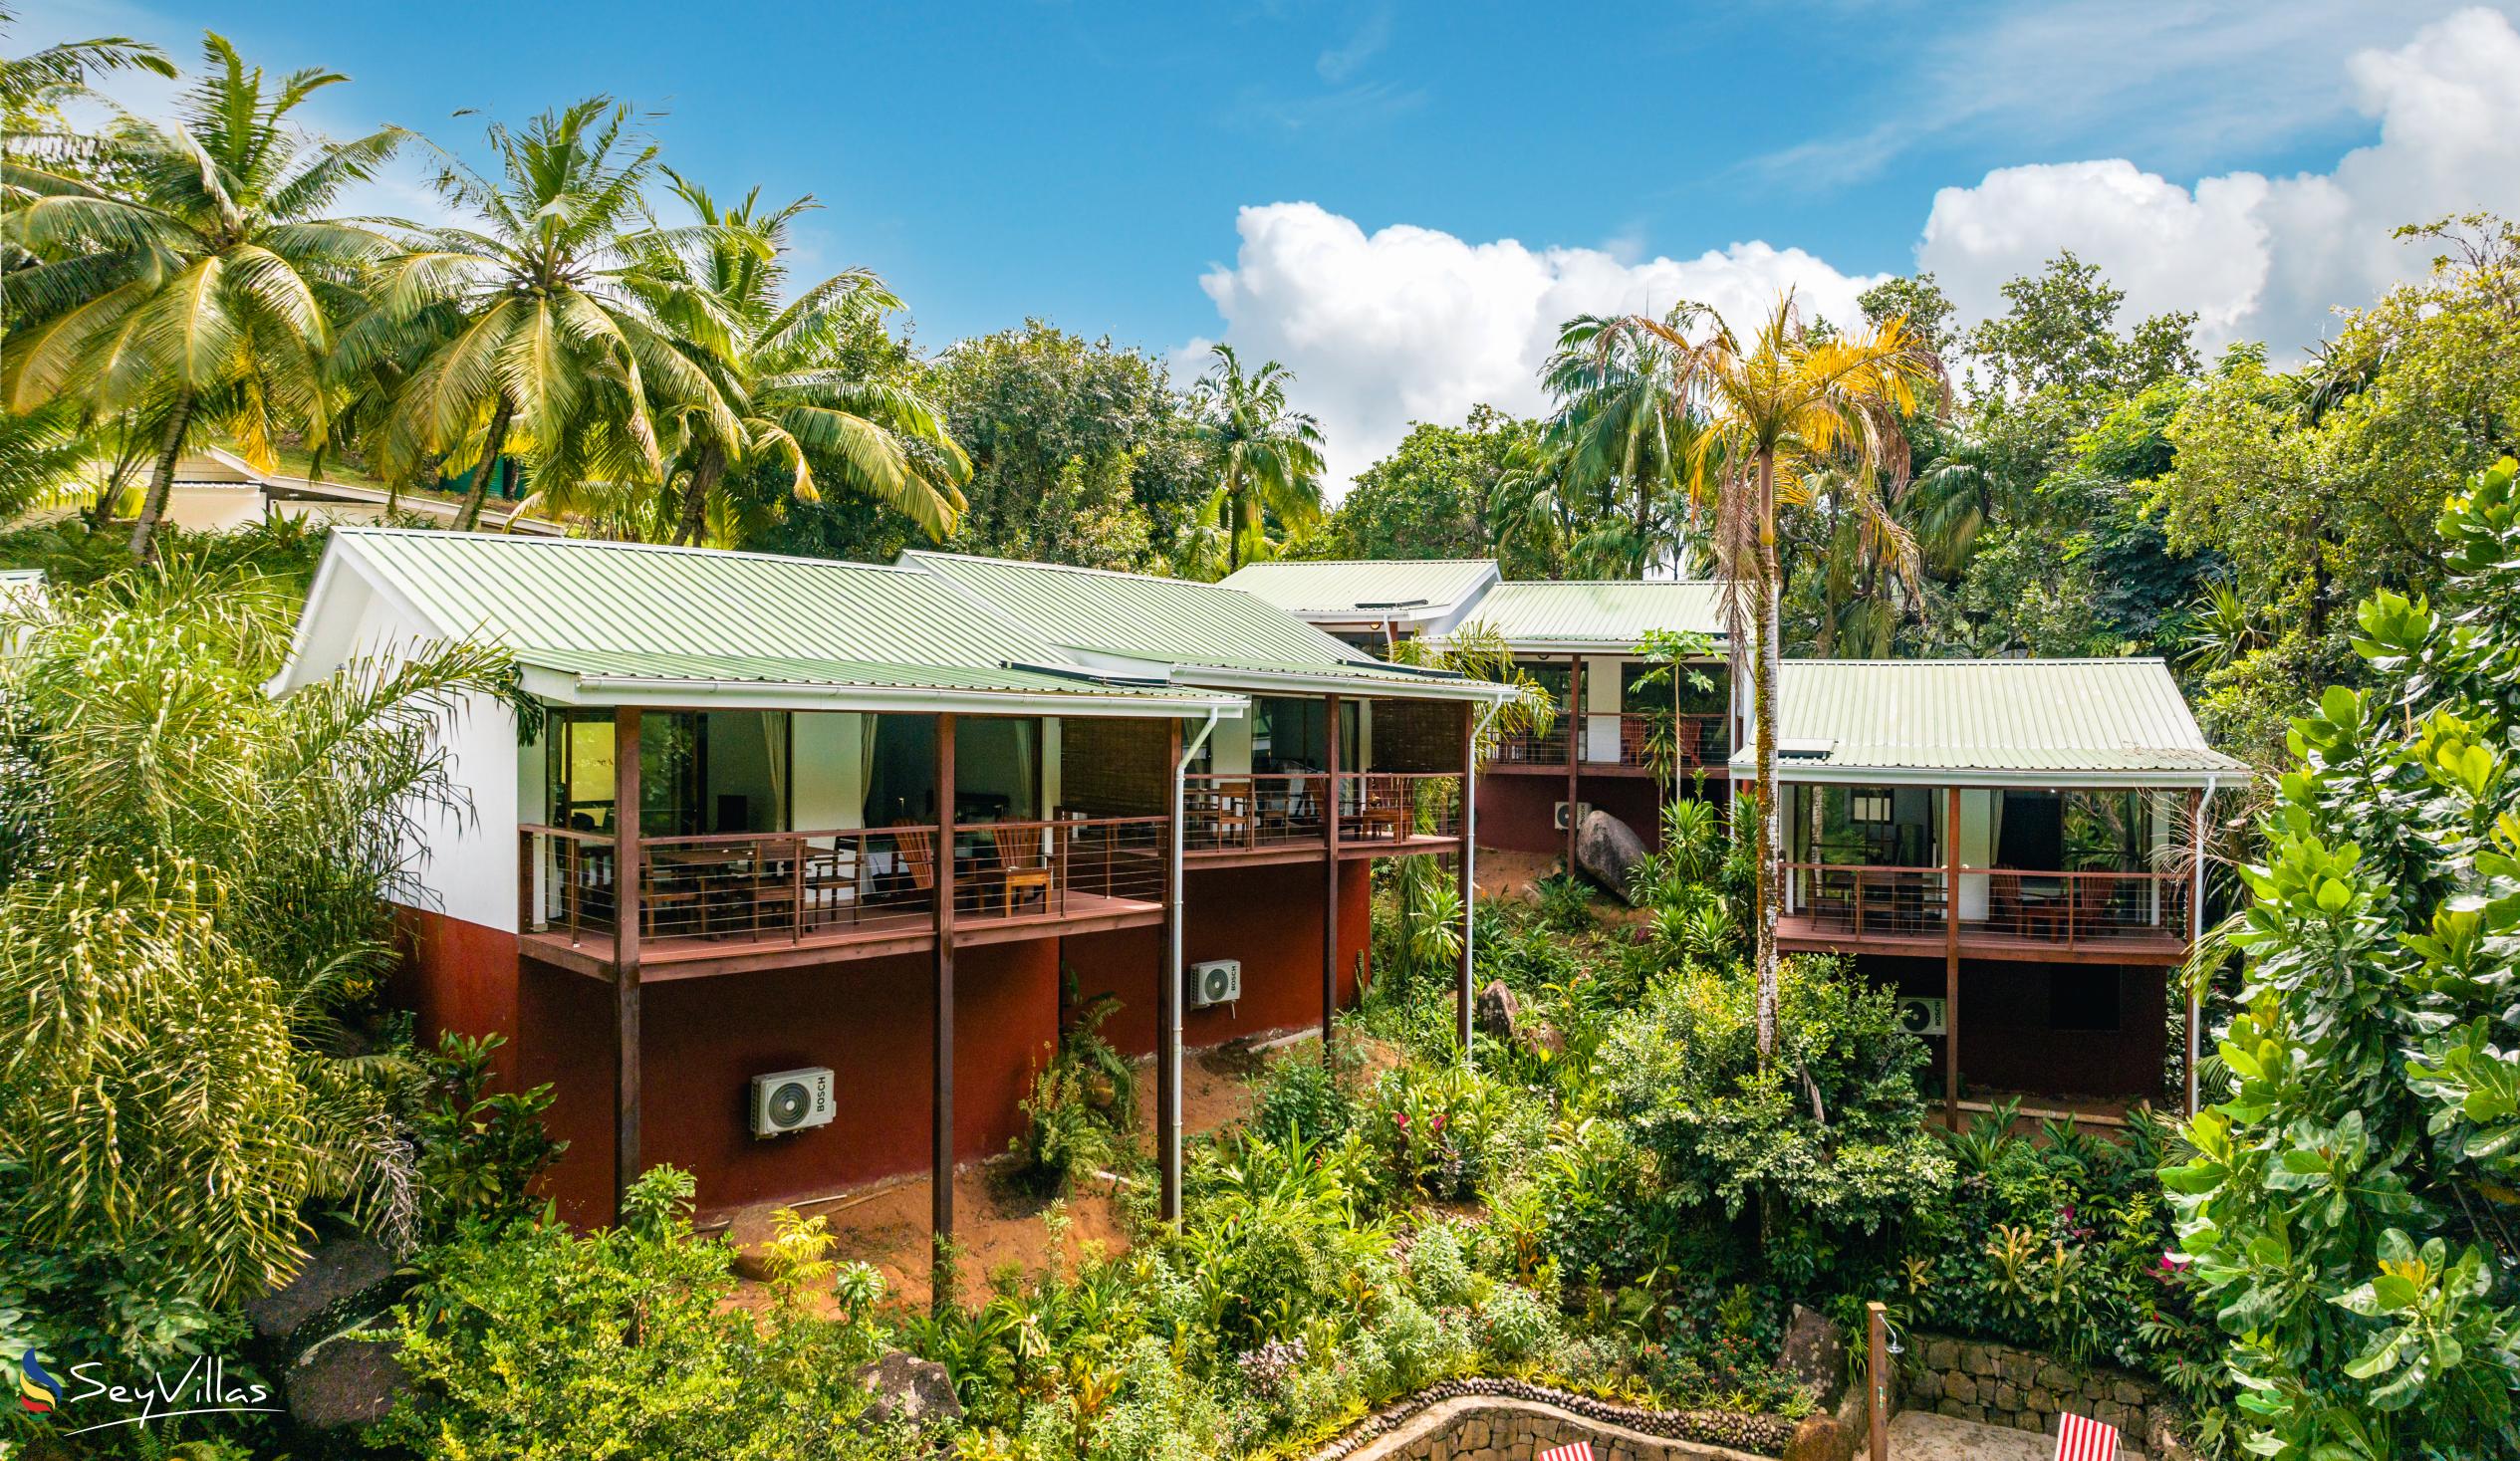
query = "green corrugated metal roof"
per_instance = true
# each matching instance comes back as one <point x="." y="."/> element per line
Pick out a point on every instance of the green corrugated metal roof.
<point x="1364" y="588"/>
<point x="587" y="595"/>
<point x="635" y="611"/>
<point x="1139" y="616"/>
<point x="1597" y="612"/>
<point x="2119" y="717"/>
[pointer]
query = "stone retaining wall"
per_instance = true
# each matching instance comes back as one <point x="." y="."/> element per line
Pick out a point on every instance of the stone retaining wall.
<point x="2027" y="1390"/>
<point x="1483" y="1428"/>
<point x="1511" y="1420"/>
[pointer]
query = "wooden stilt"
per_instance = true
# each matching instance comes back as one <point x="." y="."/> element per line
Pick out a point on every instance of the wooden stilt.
<point x="941" y="1113"/>
<point x="626" y="886"/>
<point x="1951" y="962"/>
<point x="1169" y="1010"/>
<point x="1330" y="885"/>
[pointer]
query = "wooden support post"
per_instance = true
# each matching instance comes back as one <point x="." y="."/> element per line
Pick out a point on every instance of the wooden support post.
<point x="1574" y="749"/>
<point x="941" y="1113"/>
<point x="627" y="878"/>
<point x="1951" y="962"/>
<point x="1876" y="1378"/>
<point x="1330" y="885"/>
<point x="1469" y="891"/>
<point x="1168" y="1006"/>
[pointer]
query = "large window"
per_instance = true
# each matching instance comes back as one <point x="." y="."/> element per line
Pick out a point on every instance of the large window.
<point x="997" y="770"/>
<point x="720" y="771"/>
<point x="1292" y="734"/>
<point x="1865" y="827"/>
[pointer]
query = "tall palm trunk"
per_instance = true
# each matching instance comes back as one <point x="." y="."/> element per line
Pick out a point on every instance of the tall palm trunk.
<point x="705" y="471"/>
<point x="162" y="481"/>
<point x="491" y="445"/>
<point x="1763" y="713"/>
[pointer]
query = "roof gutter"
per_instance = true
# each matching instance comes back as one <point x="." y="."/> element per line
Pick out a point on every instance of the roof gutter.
<point x="1372" y="687"/>
<point x="1958" y="776"/>
<point x="595" y="690"/>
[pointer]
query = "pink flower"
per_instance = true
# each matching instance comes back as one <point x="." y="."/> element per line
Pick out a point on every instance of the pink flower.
<point x="1439" y="1121"/>
<point x="1399" y="1118"/>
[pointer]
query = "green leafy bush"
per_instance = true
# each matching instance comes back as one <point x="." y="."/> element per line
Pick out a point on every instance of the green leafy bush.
<point x="1081" y="1116"/>
<point x="2350" y="1204"/>
<point x="537" y="1341"/>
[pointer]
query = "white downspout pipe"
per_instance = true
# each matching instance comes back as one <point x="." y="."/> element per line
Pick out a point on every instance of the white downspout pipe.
<point x="1470" y="869"/>
<point x="1170" y="1140"/>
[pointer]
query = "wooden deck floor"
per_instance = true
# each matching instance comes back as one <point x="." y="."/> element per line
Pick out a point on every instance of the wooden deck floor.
<point x="1804" y="933"/>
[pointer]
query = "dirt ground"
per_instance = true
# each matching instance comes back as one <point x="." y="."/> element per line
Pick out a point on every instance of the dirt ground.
<point x="1504" y="874"/>
<point x="885" y="1224"/>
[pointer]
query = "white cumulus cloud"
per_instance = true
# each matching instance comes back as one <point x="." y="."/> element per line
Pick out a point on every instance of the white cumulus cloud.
<point x="1416" y="325"/>
<point x="1413" y="324"/>
<point x="2256" y="257"/>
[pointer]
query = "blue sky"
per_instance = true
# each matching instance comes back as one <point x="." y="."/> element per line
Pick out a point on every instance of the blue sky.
<point x="1091" y="163"/>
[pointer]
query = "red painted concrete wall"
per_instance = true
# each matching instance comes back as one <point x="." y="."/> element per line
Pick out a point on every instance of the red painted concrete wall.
<point x="2008" y="1043"/>
<point x="1518" y="810"/>
<point x="455" y="975"/>
<point x="870" y="1020"/>
<point x="1268" y="917"/>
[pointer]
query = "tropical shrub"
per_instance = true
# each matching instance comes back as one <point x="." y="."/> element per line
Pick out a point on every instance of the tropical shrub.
<point x="480" y="1149"/>
<point x="2351" y="1205"/>
<point x="1808" y="1160"/>
<point x="534" y="1341"/>
<point x="191" y="924"/>
<point x="1081" y="1116"/>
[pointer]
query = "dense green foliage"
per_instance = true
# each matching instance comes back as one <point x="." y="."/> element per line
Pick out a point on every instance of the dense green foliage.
<point x="2350" y="1207"/>
<point x="535" y="1342"/>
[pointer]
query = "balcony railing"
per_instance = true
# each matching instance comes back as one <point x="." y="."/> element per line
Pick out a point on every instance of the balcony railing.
<point x="806" y="886"/>
<point x="1700" y="740"/>
<point x="2069" y="909"/>
<point x="1396" y="805"/>
<point x="1548" y="748"/>
<point x="1252" y="811"/>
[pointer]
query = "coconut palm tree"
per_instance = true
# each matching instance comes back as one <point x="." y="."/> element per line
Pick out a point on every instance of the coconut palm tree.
<point x="1269" y="457"/>
<point x="1624" y="421"/>
<point x="1787" y="403"/>
<point x="553" y="355"/>
<point x="201" y="292"/>
<point x="780" y="368"/>
<point x="34" y="82"/>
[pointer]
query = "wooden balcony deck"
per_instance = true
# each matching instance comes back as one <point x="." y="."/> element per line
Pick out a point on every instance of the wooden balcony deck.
<point x="2025" y="915"/>
<point x="732" y="902"/>
<point x="1812" y="934"/>
<point x="688" y="956"/>
<point x="1247" y="820"/>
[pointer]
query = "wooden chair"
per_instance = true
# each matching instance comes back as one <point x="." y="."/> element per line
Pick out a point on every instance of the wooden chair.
<point x="2093" y="897"/>
<point x="1233" y="812"/>
<point x="768" y="893"/>
<point x="681" y="888"/>
<point x="917" y="847"/>
<point x="1021" y="866"/>
<point x="1387" y="807"/>
<point x="2003" y="902"/>
<point x="831" y="881"/>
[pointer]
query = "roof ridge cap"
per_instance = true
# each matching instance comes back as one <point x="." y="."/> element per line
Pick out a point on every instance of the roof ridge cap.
<point x="614" y="545"/>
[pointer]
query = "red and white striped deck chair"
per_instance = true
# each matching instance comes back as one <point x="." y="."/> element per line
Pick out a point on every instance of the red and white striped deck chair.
<point x="1570" y="1451"/>
<point x="2081" y="1438"/>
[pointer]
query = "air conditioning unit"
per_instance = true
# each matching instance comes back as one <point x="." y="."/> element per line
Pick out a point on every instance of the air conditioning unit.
<point x="1920" y="1013"/>
<point x="1216" y="982"/>
<point x="791" y="1100"/>
<point x="1559" y="818"/>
